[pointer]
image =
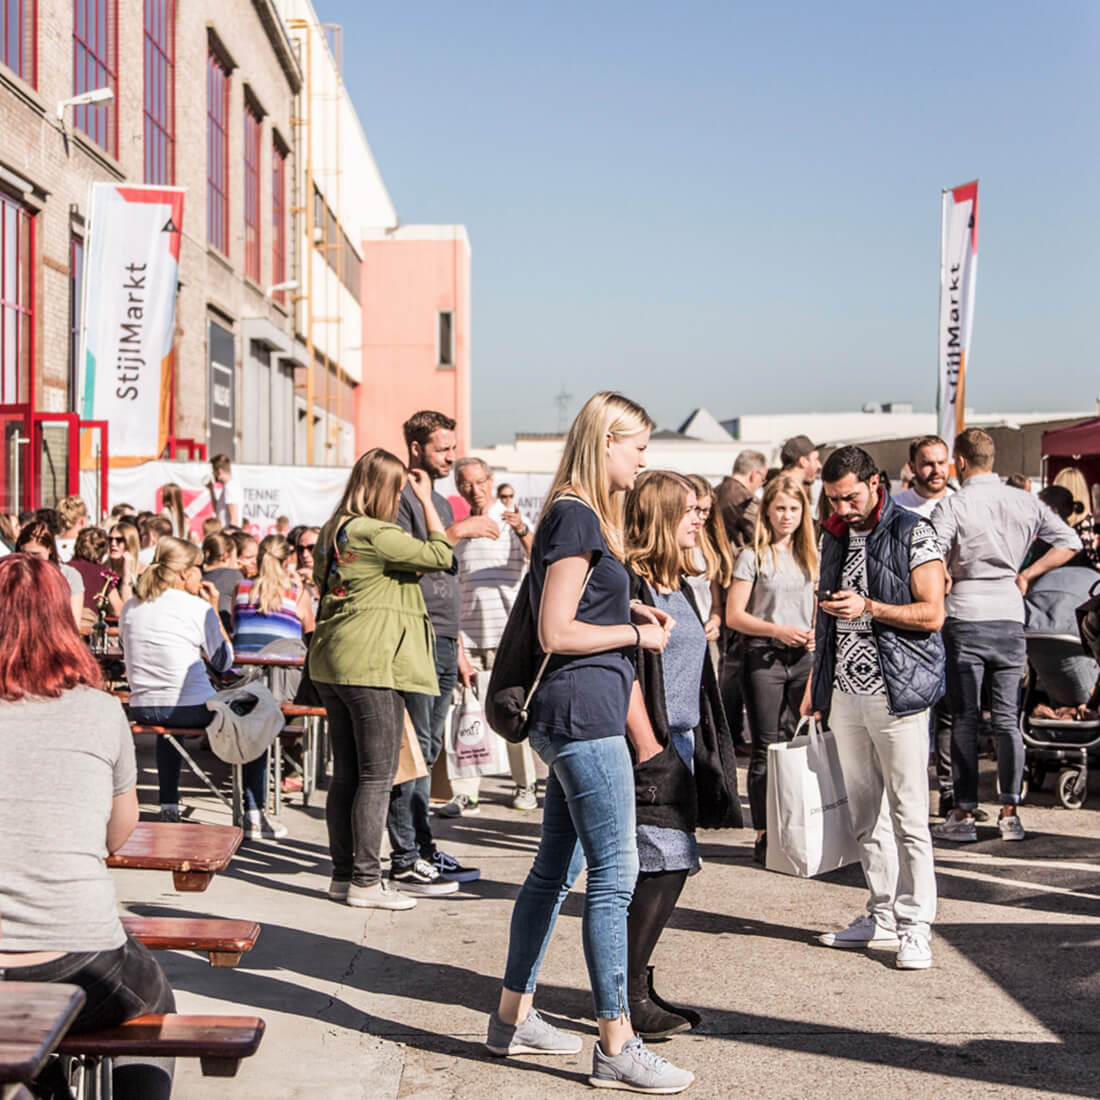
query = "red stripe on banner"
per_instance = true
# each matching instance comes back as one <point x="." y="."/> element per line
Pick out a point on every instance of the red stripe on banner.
<point x="962" y="194"/>
<point x="173" y="199"/>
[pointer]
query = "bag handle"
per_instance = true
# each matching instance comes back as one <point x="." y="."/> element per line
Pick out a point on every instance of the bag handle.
<point x="810" y="722"/>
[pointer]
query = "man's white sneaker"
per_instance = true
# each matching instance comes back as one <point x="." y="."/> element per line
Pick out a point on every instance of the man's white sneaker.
<point x="1010" y="827"/>
<point x="915" y="952"/>
<point x="864" y="931"/>
<point x="462" y="805"/>
<point x="959" y="830"/>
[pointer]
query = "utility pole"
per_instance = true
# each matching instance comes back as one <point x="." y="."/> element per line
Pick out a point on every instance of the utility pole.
<point x="562" y="402"/>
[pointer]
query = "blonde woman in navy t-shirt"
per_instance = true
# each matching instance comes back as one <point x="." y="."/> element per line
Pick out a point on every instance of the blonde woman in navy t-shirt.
<point x="577" y="723"/>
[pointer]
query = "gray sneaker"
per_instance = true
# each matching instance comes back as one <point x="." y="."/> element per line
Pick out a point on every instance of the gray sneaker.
<point x="637" y="1069"/>
<point x="379" y="896"/>
<point x="524" y="799"/>
<point x="533" y="1036"/>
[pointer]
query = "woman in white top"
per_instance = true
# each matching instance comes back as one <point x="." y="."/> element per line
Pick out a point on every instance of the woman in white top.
<point x="170" y="632"/>
<point x="771" y="600"/>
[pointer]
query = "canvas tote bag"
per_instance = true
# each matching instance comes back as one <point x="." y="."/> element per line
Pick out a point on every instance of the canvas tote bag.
<point x="809" y="829"/>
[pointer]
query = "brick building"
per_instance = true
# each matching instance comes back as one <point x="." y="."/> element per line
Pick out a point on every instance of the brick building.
<point x="203" y="97"/>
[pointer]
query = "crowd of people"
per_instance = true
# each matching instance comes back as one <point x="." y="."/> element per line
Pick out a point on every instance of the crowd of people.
<point x="682" y="624"/>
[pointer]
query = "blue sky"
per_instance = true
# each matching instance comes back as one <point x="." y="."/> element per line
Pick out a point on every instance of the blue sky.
<point x="737" y="205"/>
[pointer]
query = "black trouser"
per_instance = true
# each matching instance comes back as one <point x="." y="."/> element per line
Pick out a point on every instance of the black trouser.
<point x="775" y="680"/>
<point x="118" y="985"/>
<point x="364" y="728"/>
<point x="941" y="746"/>
<point x="732" y="683"/>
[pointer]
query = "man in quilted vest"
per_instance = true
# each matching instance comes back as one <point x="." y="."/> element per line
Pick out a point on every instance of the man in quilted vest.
<point x="878" y="667"/>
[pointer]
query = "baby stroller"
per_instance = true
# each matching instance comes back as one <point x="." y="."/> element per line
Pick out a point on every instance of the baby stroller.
<point x="1060" y="675"/>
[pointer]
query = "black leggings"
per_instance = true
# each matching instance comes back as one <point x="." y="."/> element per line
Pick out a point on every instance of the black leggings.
<point x="118" y="985"/>
<point x="775" y="679"/>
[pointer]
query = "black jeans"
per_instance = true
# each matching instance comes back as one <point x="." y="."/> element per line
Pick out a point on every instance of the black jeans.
<point x="775" y="680"/>
<point x="942" y="724"/>
<point x="364" y="728"/>
<point x="118" y="985"/>
<point x="996" y="652"/>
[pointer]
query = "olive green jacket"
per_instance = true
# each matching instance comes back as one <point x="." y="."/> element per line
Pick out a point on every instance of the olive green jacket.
<point x="372" y="627"/>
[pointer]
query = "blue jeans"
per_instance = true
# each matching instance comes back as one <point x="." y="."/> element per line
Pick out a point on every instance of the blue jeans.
<point x="588" y="817"/>
<point x="169" y="762"/>
<point x="993" y="651"/>
<point x="409" y="827"/>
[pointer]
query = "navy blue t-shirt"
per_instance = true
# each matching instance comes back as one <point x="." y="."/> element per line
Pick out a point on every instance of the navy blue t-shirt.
<point x="583" y="697"/>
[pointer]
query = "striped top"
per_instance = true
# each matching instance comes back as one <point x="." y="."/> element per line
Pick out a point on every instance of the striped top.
<point x="252" y="629"/>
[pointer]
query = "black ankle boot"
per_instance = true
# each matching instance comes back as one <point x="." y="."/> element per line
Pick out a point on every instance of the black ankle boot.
<point x="689" y="1014"/>
<point x="650" y="1020"/>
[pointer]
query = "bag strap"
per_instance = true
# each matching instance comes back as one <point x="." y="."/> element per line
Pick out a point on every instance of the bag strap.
<point x="546" y="658"/>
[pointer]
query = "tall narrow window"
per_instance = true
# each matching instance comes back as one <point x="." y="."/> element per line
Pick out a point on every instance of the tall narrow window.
<point x="17" y="37"/>
<point x="446" y="338"/>
<point x="16" y="261"/>
<point x="253" y="130"/>
<point x="278" y="218"/>
<point x="95" y="65"/>
<point x="76" y="305"/>
<point x="217" y="153"/>
<point x="160" y="92"/>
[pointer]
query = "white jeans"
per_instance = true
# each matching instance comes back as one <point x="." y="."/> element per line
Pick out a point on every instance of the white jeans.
<point x="521" y="758"/>
<point x="881" y="754"/>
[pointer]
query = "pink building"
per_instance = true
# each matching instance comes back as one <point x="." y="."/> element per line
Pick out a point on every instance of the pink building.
<point x="416" y="332"/>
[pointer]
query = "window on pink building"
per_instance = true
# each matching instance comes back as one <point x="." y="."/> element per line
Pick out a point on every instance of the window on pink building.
<point x="160" y="92"/>
<point x="95" y="65"/>
<point x="18" y="37"/>
<point x="217" y="153"/>
<point x="253" y="131"/>
<point x="445" y="338"/>
<point x="16" y="302"/>
<point x="278" y="217"/>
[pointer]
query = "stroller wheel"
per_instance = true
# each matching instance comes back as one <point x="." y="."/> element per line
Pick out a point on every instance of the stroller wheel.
<point x="1072" y="788"/>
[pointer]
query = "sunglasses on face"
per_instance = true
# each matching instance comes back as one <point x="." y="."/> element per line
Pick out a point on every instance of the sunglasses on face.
<point x="307" y="546"/>
<point x="117" y="538"/>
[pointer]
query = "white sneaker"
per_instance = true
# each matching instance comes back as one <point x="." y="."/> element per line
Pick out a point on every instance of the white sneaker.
<point x="264" y="829"/>
<point x="915" y="952"/>
<point x="379" y="896"/>
<point x="959" y="830"/>
<point x="864" y="931"/>
<point x="524" y="799"/>
<point x="1010" y="827"/>
<point x="461" y="805"/>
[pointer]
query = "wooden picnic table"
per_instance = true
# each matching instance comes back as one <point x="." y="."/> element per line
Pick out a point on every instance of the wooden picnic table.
<point x="269" y="662"/>
<point x="193" y="853"/>
<point x="34" y="1017"/>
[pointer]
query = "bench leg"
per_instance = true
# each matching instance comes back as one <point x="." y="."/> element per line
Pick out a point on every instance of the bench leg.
<point x="191" y="882"/>
<point x="219" y="1067"/>
<point x="237" y="807"/>
<point x="199" y="773"/>
<point x="276" y="760"/>
<point x="224" y="958"/>
<point x="309" y="765"/>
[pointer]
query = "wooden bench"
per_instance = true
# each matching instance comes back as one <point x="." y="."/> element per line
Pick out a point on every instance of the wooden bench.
<point x="314" y="749"/>
<point x="173" y="734"/>
<point x="193" y="853"/>
<point x="219" y="1042"/>
<point x="34" y="1016"/>
<point x="223" y="940"/>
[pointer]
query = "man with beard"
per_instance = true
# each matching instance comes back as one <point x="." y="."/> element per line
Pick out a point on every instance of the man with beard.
<point x="878" y="668"/>
<point x="930" y="464"/>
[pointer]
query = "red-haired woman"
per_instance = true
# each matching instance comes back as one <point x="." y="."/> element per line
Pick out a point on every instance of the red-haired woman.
<point x="67" y="757"/>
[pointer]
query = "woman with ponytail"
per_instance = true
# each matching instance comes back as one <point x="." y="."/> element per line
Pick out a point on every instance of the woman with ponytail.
<point x="273" y="607"/>
<point x="170" y="632"/>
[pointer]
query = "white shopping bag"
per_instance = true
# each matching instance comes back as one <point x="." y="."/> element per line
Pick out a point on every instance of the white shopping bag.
<point x="809" y="828"/>
<point x="472" y="747"/>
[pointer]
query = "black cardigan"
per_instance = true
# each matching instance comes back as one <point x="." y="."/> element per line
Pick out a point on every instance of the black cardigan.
<point x="666" y="793"/>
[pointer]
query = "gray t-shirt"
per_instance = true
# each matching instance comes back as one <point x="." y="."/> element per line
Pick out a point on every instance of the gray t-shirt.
<point x="442" y="596"/>
<point x="62" y="762"/>
<point x="781" y="592"/>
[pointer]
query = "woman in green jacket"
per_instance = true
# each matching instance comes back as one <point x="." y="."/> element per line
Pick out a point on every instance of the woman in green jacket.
<point x="373" y="640"/>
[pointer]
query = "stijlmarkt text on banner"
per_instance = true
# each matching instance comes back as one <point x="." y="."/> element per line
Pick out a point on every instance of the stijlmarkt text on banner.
<point x="129" y="316"/>
<point x="958" y="274"/>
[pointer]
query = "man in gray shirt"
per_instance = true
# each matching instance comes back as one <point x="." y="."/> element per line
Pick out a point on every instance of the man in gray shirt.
<point x="416" y="865"/>
<point x="986" y="529"/>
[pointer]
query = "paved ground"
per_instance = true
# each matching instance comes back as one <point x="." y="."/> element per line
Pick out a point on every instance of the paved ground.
<point x="393" y="1005"/>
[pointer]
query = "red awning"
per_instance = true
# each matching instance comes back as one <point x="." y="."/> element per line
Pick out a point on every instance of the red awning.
<point x="1080" y="439"/>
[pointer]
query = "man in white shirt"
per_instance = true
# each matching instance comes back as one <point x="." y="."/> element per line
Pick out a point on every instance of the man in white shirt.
<point x="490" y="571"/>
<point x="226" y="494"/>
<point x="73" y="513"/>
<point x="930" y="464"/>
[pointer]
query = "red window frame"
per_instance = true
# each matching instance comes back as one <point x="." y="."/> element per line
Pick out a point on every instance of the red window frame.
<point x="76" y="313"/>
<point x="253" y="135"/>
<point x="278" y="218"/>
<point x="95" y="65"/>
<point x="160" y="92"/>
<point x="217" y="153"/>
<point x="16" y="303"/>
<point x="19" y="52"/>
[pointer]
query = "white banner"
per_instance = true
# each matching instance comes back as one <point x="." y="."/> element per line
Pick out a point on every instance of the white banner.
<point x="131" y="273"/>
<point x="958" y="274"/>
